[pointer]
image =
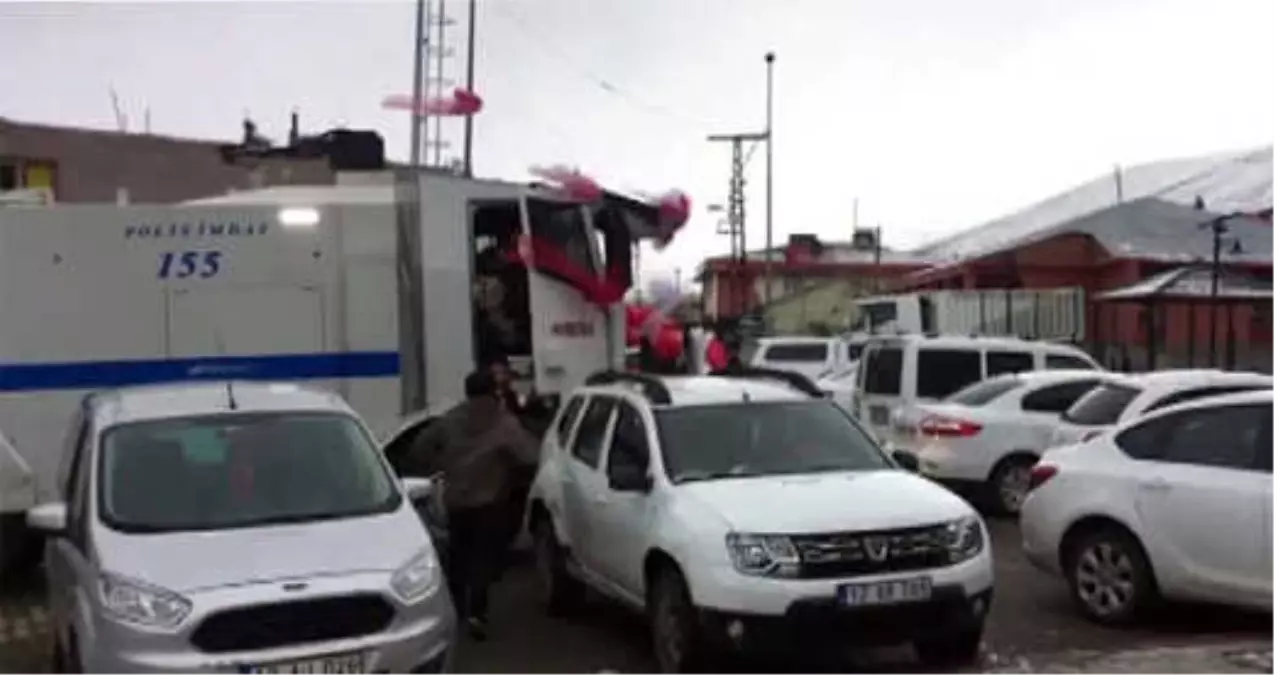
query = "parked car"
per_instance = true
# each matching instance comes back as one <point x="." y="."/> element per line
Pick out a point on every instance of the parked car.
<point x="660" y="493"/>
<point x="898" y="372"/>
<point x="194" y="515"/>
<point x="1175" y="504"/>
<point x="1129" y="396"/>
<point x="813" y="357"/>
<point x="840" y="386"/>
<point x="986" y="437"/>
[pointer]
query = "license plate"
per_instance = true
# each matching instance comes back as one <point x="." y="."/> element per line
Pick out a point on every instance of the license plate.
<point x="345" y="663"/>
<point x="893" y="592"/>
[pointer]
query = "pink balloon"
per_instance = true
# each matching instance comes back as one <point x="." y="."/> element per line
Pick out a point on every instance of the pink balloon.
<point x="461" y="103"/>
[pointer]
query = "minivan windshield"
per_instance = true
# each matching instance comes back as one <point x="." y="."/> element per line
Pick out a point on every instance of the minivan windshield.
<point x="1102" y="406"/>
<point x="240" y="470"/>
<point x="763" y="439"/>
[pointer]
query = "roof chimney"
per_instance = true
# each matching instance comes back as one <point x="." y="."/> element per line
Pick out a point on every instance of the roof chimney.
<point x="295" y="134"/>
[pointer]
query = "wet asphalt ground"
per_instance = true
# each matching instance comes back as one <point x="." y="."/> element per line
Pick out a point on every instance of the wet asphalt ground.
<point x="1031" y="622"/>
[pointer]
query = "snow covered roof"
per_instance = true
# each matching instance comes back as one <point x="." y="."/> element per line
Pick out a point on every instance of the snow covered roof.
<point x="1235" y="181"/>
<point x="1193" y="281"/>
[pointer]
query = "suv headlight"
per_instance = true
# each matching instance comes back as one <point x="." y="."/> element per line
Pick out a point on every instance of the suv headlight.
<point x="141" y="604"/>
<point x="964" y="538"/>
<point x="418" y="577"/>
<point x="763" y="555"/>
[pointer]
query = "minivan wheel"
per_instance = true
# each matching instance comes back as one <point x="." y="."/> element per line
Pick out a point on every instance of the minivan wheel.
<point x="1010" y="482"/>
<point x="1109" y="576"/>
<point x="674" y="625"/>
<point x="559" y="591"/>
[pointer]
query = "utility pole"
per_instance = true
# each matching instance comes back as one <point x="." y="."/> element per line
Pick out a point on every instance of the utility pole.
<point x="468" y="83"/>
<point x="769" y="174"/>
<point x="736" y="208"/>
<point x="1219" y="229"/>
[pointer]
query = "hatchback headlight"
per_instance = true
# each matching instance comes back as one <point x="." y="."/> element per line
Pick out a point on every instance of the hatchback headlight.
<point x="418" y="577"/>
<point x="134" y="602"/>
<point x="763" y="555"/>
<point x="964" y="538"/>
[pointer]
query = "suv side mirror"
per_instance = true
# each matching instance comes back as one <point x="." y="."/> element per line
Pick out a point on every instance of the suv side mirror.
<point x="418" y="489"/>
<point x="48" y="518"/>
<point x="630" y="478"/>
<point x="906" y="460"/>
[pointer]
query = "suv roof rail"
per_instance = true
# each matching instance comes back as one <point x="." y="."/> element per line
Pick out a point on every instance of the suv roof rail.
<point x="650" y="386"/>
<point x="794" y="380"/>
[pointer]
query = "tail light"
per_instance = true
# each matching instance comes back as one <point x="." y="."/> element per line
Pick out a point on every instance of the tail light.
<point x="1040" y="474"/>
<point x="947" y="427"/>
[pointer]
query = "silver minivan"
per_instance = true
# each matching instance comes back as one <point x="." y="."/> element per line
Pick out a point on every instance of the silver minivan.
<point x="245" y="527"/>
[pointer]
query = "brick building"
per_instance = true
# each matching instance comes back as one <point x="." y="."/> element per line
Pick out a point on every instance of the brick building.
<point x="1115" y="232"/>
<point x="74" y="165"/>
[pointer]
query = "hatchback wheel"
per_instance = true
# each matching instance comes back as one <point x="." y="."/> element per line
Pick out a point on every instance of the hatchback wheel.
<point x="1109" y="576"/>
<point x="559" y="591"/>
<point x="674" y="625"/>
<point x="1009" y="484"/>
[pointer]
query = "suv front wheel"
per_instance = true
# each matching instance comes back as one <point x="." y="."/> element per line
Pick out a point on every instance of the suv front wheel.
<point x="674" y="624"/>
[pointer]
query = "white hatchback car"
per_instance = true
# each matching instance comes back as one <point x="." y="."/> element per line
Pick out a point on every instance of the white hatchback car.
<point x="987" y="436"/>
<point x="1129" y="396"/>
<point x="741" y="510"/>
<point x="237" y="527"/>
<point x="1175" y="504"/>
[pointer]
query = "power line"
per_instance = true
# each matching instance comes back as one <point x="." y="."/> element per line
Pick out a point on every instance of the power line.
<point x="549" y="48"/>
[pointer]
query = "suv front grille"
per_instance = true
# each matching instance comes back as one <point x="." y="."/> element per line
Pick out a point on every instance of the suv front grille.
<point x="291" y="623"/>
<point x="849" y="554"/>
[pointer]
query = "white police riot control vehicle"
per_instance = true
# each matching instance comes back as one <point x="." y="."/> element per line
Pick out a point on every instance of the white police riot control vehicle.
<point x="746" y="510"/>
<point x="355" y="288"/>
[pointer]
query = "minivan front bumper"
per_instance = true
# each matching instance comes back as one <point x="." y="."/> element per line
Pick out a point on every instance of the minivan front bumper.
<point x="418" y="639"/>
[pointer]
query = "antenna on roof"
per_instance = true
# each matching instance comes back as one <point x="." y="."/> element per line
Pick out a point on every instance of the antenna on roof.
<point x="121" y="120"/>
<point x="233" y="404"/>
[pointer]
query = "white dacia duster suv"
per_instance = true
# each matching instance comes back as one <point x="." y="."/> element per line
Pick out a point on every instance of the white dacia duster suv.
<point x="746" y="510"/>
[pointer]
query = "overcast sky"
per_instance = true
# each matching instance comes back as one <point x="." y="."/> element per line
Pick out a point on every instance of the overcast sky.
<point x="936" y="114"/>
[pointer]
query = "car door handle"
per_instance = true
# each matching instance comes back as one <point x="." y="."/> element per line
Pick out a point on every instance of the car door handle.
<point x="1154" y="485"/>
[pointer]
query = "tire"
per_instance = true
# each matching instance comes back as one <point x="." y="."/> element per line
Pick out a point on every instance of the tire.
<point x="675" y="632"/>
<point x="957" y="648"/>
<point x="1008" y="484"/>
<point x="1111" y="581"/>
<point x="63" y="662"/>
<point x="559" y="591"/>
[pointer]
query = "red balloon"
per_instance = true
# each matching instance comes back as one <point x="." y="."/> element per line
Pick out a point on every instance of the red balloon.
<point x="668" y="344"/>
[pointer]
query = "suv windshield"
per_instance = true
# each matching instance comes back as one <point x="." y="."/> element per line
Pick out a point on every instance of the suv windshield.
<point x="982" y="393"/>
<point x="763" y="439"/>
<point x="240" y="470"/>
<point x="1101" y="406"/>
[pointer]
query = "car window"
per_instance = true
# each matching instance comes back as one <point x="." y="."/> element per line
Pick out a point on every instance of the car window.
<point x="796" y="352"/>
<point x="739" y="439"/>
<point x="1145" y="440"/>
<point x="1196" y="393"/>
<point x="982" y="393"/>
<point x="942" y="372"/>
<point x="882" y="373"/>
<point x="240" y="470"/>
<point x="590" y="436"/>
<point x="998" y="362"/>
<point x="1058" y="397"/>
<point x="567" y="420"/>
<point x="629" y="446"/>
<point x="1222" y="437"/>
<point x="1101" y="406"/>
<point x="1065" y="362"/>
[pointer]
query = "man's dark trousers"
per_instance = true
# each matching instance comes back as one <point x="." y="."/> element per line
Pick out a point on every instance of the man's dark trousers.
<point x="476" y="548"/>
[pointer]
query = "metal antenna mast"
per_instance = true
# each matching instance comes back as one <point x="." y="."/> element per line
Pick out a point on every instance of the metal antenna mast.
<point x="736" y="210"/>
<point x="429" y="80"/>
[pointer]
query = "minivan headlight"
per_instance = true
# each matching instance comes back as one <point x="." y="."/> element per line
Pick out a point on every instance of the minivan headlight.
<point x="141" y="604"/>
<point x="417" y="577"/>
<point x="763" y="555"/>
<point x="964" y="538"/>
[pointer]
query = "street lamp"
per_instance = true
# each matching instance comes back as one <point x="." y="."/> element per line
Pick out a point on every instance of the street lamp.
<point x="1219" y="229"/>
<point x="769" y="174"/>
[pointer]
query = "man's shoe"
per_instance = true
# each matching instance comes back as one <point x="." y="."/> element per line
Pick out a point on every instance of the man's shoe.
<point x="477" y="628"/>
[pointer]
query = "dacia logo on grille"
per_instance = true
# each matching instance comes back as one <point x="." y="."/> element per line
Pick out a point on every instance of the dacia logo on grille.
<point x="877" y="548"/>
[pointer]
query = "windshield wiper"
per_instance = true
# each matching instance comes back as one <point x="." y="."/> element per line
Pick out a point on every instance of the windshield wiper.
<point x="735" y="472"/>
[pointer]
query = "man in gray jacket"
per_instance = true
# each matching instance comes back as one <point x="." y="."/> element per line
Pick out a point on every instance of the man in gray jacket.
<point x="478" y="447"/>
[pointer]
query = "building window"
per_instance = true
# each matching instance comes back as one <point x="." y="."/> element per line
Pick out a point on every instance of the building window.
<point x="8" y="176"/>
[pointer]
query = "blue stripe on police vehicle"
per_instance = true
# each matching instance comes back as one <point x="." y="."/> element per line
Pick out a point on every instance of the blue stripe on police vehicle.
<point x="195" y="260"/>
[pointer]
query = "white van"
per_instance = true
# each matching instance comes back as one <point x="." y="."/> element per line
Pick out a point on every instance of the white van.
<point x="896" y="372"/>
<point x="813" y="357"/>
